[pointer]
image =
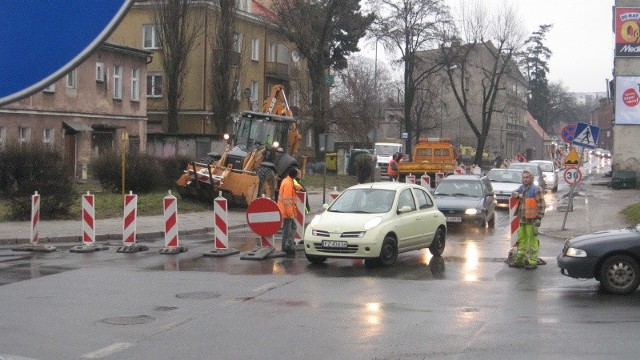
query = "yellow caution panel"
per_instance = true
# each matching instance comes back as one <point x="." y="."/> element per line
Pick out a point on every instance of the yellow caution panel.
<point x="572" y="158"/>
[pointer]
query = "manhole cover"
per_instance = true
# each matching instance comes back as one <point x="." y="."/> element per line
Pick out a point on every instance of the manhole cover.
<point x="198" y="295"/>
<point x="129" y="320"/>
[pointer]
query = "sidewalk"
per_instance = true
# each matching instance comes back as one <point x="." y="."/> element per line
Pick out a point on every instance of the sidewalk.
<point x="596" y="207"/>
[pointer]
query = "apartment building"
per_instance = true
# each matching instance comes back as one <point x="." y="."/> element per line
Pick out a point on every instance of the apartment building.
<point x="265" y="57"/>
<point x="97" y="107"/>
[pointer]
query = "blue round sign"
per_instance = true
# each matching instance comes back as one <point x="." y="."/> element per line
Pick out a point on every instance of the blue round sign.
<point x="568" y="133"/>
<point x="41" y="41"/>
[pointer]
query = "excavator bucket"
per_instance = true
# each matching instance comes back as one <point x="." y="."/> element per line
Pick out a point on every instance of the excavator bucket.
<point x="204" y="182"/>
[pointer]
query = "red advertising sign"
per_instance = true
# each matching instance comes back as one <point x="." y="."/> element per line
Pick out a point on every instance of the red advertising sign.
<point x="627" y="23"/>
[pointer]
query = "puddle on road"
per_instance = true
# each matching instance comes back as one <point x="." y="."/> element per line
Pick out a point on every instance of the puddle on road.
<point x="20" y="272"/>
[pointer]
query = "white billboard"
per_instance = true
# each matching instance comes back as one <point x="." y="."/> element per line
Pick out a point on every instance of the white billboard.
<point x="627" y="100"/>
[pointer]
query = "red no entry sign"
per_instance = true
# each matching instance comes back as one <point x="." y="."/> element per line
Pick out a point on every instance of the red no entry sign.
<point x="263" y="217"/>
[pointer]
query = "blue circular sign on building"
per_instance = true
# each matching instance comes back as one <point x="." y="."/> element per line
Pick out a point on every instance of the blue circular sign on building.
<point x="41" y="41"/>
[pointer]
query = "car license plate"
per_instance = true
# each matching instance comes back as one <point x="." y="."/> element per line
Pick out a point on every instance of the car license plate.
<point x="502" y="197"/>
<point x="334" y="244"/>
<point x="454" y="219"/>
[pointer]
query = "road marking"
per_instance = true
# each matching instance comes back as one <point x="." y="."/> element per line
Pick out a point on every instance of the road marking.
<point x="108" y="350"/>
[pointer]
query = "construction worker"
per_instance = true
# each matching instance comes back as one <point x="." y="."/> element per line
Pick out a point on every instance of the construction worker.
<point x="530" y="212"/>
<point x="287" y="206"/>
<point x="392" y="168"/>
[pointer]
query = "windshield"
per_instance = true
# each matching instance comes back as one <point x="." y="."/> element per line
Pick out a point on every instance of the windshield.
<point x="505" y="176"/>
<point x="256" y="132"/>
<point x="364" y="201"/>
<point x="534" y="169"/>
<point x="459" y="188"/>
<point x="387" y="150"/>
<point x="546" y="167"/>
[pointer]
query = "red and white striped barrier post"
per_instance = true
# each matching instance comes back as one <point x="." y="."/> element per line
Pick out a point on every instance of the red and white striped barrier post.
<point x="334" y="194"/>
<point x="410" y="179"/>
<point x="425" y="181"/>
<point x="171" y="240"/>
<point x="35" y="232"/>
<point x="35" y="218"/>
<point x="514" y="224"/>
<point x="439" y="177"/>
<point x="129" y="219"/>
<point x="301" y="206"/>
<point x="221" y="229"/>
<point x="88" y="219"/>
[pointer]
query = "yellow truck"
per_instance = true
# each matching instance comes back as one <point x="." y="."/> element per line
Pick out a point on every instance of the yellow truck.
<point x="430" y="156"/>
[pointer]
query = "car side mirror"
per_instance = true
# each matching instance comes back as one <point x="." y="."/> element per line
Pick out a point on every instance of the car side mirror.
<point x="404" y="209"/>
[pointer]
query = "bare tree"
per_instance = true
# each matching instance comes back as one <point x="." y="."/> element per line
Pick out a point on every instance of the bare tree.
<point x="179" y="27"/>
<point x="482" y="63"/>
<point x="227" y="65"/>
<point x="356" y="101"/>
<point x="412" y="26"/>
<point x="325" y="32"/>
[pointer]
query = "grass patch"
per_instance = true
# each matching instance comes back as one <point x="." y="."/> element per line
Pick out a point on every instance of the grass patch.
<point x="316" y="181"/>
<point x="111" y="205"/>
<point x="632" y="213"/>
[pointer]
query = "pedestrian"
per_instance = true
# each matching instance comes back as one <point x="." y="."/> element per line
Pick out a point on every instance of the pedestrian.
<point x="476" y="170"/>
<point x="392" y="168"/>
<point x="530" y="211"/>
<point x="287" y="206"/>
<point x="498" y="161"/>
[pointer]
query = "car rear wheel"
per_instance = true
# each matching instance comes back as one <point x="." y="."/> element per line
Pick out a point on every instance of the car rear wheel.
<point x="388" y="251"/>
<point x="437" y="245"/>
<point x="620" y="274"/>
<point x="314" y="259"/>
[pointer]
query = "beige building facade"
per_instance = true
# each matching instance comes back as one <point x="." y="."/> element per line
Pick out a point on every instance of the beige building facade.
<point x="264" y="57"/>
<point x="98" y="107"/>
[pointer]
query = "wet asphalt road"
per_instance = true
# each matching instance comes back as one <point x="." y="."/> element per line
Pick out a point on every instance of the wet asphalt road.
<point x="466" y="304"/>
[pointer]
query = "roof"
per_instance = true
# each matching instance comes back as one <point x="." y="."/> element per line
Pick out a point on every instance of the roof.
<point x="536" y="127"/>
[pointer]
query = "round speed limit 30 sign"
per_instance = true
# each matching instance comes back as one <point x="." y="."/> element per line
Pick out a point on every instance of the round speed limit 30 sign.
<point x="572" y="175"/>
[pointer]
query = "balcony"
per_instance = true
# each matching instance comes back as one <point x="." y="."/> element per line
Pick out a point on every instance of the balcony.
<point x="278" y="70"/>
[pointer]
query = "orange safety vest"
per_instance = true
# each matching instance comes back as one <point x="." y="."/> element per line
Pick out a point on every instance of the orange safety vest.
<point x="530" y="210"/>
<point x="287" y="198"/>
<point x="390" y="170"/>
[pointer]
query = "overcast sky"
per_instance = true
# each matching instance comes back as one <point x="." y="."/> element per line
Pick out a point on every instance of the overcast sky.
<point x="581" y="39"/>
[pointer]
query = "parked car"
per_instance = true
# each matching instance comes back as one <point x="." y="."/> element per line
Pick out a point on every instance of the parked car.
<point x="605" y="154"/>
<point x="534" y="169"/>
<point x="376" y="222"/>
<point x="610" y="257"/>
<point x="504" y="182"/>
<point x="549" y="173"/>
<point x="466" y="199"/>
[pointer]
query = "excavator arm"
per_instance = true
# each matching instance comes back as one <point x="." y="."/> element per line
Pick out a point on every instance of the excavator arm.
<point x="277" y="103"/>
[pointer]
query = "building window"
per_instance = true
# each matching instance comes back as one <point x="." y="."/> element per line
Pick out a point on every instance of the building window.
<point x="255" y="49"/>
<point x="237" y="42"/>
<point x="3" y="137"/>
<point x="100" y="72"/>
<point x="135" y="84"/>
<point x="117" y="82"/>
<point x="150" y="39"/>
<point x="50" y="89"/>
<point x="47" y="136"/>
<point x="254" y="91"/>
<point x="271" y="52"/>
<point x="72" y="79"/>
<point x="154" y="85"/>
<point x="244" y="5"/>
<point x="24" y="134"/>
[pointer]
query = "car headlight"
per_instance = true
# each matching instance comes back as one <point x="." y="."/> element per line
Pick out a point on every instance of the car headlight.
<point x="472" y="211"/>
<point x="574" y="252"/>
<point x="370" y="224"/>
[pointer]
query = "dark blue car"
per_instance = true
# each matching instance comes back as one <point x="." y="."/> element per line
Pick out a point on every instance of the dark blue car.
<point x="611" y="257"/>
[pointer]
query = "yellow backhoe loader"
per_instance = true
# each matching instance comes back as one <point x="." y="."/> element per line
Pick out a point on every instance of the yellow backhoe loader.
<point x="261" y="151"/>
